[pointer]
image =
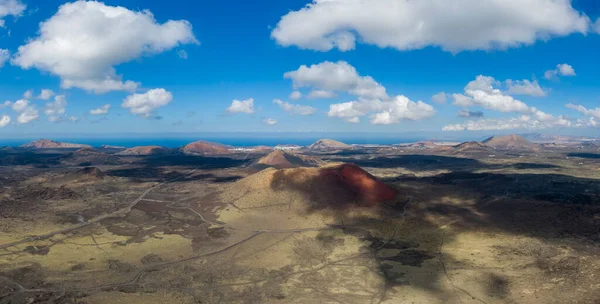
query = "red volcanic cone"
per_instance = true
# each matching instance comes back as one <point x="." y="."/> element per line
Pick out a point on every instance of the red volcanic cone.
<point x="368" y="188"/>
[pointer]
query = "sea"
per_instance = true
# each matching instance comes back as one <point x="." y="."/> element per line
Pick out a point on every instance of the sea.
<point x="236" y="141"/>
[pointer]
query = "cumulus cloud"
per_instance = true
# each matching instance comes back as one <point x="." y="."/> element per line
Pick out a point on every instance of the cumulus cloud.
<point x="85" y="40"/>
<point x="20" y="105"/>
<point x="468" y="114"/>
<point x="401" y="108"/>
<point x="295" y="108"/>
<point x="270" y="121"/>
<point x="241" y="106"/>
<point x="521" y="122"/>
<point x="326" y="78"/>
<point x="525" y="87"/>
<point x="440" y="98"/>
<point x="144" y="104"/>
<point x="55" y="110"/>
<point x="387" y="112"/>
<point x="405" y="24"/>
<point x="4" y="56"/>
<point x="13" y="8"/>
<point x="182" y="54"/>
<point x="353" y="120"/>
<point x="46" y="94"/>
<point x="103" y="110"/>
<point x="595" y="113"/>
<point x="321" y="94"/>
<point x="349" y="109"/>
<point x="587" y="122"/>
<point x="4" y="121"/>
<point x="295" y="95"/>
<point x="482" y="92"/>
<point x="28" y="94"/>
<point x="28" y="115"/>
<point x="336" y="76"/>
<point x="562" y="69"/>
<point x="5" y="104"/>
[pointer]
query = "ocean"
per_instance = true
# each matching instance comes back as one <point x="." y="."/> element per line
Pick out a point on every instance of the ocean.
<point x="174" y="142"/>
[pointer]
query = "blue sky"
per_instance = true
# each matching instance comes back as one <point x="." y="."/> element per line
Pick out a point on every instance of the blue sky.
<point x="240" y="50"/>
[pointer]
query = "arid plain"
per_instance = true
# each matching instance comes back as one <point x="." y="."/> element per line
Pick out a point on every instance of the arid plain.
<point x="505" y="220"/>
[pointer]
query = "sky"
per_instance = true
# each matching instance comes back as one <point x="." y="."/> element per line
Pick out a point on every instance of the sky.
<point x="384" y="66"/>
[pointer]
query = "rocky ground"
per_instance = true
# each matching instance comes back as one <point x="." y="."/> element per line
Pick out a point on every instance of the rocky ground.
<point x="513" y="228"/>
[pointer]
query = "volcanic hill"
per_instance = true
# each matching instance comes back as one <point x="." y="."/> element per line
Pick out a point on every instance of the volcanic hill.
<point x="282" y="160"/>
<point x="51" y="144"/>
<point x="145" y="150"/>
<point x="328" y="144"/>
<point x="511" y="142"/>
<point x="202" y="147"/>
<point x="304" y="197"/>
<point x="472" y="147"/>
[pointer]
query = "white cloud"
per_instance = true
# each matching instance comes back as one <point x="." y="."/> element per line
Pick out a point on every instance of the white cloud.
<point x="103" y="110"/>
<point x="144" y="104"/>
<point x="463" y="113"/>
<point x="326" y="78"/>
<point x="349" y="109"/>
<point x="387" y="112"/>
<point x="241" y="106"/>
<point x="338" y="76"/>
<point x="270" y="121"/>
<point x="4" y="56"/>
<point x="440" y="98"/>
<point x="5" y="104"/>
<point x="562" y="69"/>
<point x="46" y="94"/>
<point x="295" y="95"/>
<point x="406" y="24"/>
<point x="28" y="94"/>
<point x="4" y="121"/>
<point x="589" y="122"/>
<point x="85" y="40"/>
<point x="521" y="122"/>
<point x="28" y="115"/>
<point x="402" y="108"/>
<point x="585" y="111"/>
<point x="182" y="54"/>
<point x="525" y="87"/>
<point x="55" y="110"/>
<point x="481" y="92"/>
<point x="321" y="94"/>
<point x="565" y="70"/>
<point x="74" y="119"/>
<point x="294" y="108"/>
<point x="353" y="120"/>
<point x="20" y="105"/>
<point x="13" y="8"/>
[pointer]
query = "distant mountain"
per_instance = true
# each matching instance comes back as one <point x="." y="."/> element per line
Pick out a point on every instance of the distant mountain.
<point x="145" y="150"/>
<point x="326" y="144"/>
<point x="281" y="160"/>
<point x="472" y="147"/>
<point x="511" y="142"/>
<point x="547" y="138"/>
<point x="50" y="144"/>
<point x="202" y="147"/>
<point x="111" y="147"/>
